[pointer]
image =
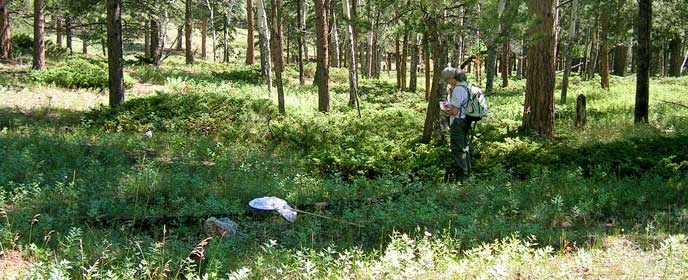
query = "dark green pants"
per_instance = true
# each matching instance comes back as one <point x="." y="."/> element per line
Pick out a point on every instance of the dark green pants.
<point x="459" y="147"/>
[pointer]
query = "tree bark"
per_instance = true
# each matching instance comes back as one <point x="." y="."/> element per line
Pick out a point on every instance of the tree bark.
<point x="604" y="52"/>
<point x="676" y="59"/>
<point x="538" y="111"/>
<point x="433" y="110"/>
<point x="277" y="47"/>
<point x="68" y="30"/>
<point x="426" y="60"/>
<point x="334" y="39"/>
<point x="155" y="50"/>
<point x="5" y="34"/>
<point x="397" y="61"/>
<point x="188" y="32"/>
<point x="490" y="67"/>
<point x="204" y="35"/>
<point x="506" y="66"/>
<point x="264" y="36"/>
<point x="642" y="90"/>
<point x="180" y="35"/>
<point x="304" y="13"/>
<point x="353" y="69"/>
<point x="592" y="65"/>
<point x="146" y="39"/>
<point x="415" y="57"/>
<point x="323" y="75"/>
<point x="301" y="34"/>
<point x="620" y="59"/>
<point x="38" y="35"/>
<point x="569" y="52"/>
<point x="115" y="61"/>
<point x="404" y="55"/>
<point x="84" y="44"/>
<point x="250" y="49"/>
<point x="212" y="28"/>
<point x="58" y="30"/>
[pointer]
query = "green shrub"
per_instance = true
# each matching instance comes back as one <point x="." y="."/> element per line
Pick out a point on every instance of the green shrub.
<point x="78" y="72"/>
<point x="22" y="44"/>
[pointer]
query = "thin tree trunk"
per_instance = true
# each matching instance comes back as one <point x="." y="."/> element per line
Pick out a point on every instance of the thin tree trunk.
<point x="334" y="38"/>
<point x="433" y="111"/>
<point x="301" y="34"/>
<point x="404" y="55"/>
<point x="685" y="60"/>
<point x="569" y="52"/>
<point x="604" y="52"/>
<point x="397" y="62"/>
<point x="212" y="28"/>
<point x="413" y="73"/>
<point x="225" y="44"/>
<point x="68" y="29"/>
<point x="204" y="35"/>
<point x="146" y="39"/>
<point x="264" y="36"/>
<point x="675" y="62"/>
<point x="642" y="92"/>
<point x="593" y="50"/>
<point x="426" y="58"/>
<point x="353" y="69"/>
<point x="115" y="61"/>
<point x="304" y="15"/>
<point x="538" y="111"/>
<point x="250" y="49"/>
<point x="5" y="34"/>
<point x="490" y="67"/>
<point x="180" y="37"/>
<point x="506" y="66"/>
<point x="323" y="75"/>
<point x="276" y="42"/>
<point x="58" y="30"/>
<point x="188" y="32"/>
<point x="38" y="35"/>
<point x="84" y="44"/>
<point x="155" y="51"/>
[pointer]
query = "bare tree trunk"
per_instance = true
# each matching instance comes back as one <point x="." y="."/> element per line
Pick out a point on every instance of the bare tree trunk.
<point x="592" y="65"/>
<point x="180" y="37"/>
<point x="5" y="34"/>
<point x="353" y="69"/>
<point x="397" y="62"/>
<point x="506" y="66"/>
<point x="304" y="13"/>
<point x="146" y="39"/>
<point x="250" y="49"/>
<point x="204" y="35"/>
<point x="334" y="39"/>
<point x="301" y="34"/>
<point x="68" y="29"/>
<point x="604" y="52"/>
<point x="188" y="32"/>
<point x="58" y="30"/>
<point x="212" y="28"/>
<point x="115" y="61"/>
<point x="413" y="83"/>
<point x="620" y="59"/>
<point x="264" y="33"/>
<point x="642" y="92"/>
<point x="323" y="75"/>
<point x="538" y="111"/>
<point x="225" y="45"/>
<point x="675" y="62"/>
<point x="84" y="44"/>
<point x="434" y="38"/>
<point x="155" y="51"/>
<point x="404" y="55"/>
<point x="426" y="58"/>
<point x="277" y="47"/>
<point x="568" y="52"/>
<point x="38" y="35"/>
<point x="490" y="67"/>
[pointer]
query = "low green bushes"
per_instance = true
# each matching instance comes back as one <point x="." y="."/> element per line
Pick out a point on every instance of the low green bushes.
<point x="78" y="72"/>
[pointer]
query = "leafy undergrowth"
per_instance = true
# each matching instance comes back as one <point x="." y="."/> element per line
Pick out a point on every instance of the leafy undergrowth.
<point x="78" y="72"/>
<point x="116" y="204"/>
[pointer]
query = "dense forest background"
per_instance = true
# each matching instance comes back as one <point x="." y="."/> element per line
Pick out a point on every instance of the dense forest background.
<point x="124" y="126"/>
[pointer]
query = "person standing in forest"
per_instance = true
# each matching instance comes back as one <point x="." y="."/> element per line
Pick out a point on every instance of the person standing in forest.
<point x="459" y="126"/>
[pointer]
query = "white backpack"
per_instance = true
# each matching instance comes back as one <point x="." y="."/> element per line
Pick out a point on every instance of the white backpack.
<point x="476" y="108"/>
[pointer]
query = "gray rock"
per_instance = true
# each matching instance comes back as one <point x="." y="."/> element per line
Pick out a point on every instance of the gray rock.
<point x="222" y="228"/>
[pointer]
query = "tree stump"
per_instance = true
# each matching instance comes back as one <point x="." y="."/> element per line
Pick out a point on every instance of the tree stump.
<point x="580" y="112"/>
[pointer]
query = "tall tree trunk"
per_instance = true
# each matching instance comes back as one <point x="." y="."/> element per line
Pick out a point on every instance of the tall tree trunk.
<point x="188" y="32"/>
<point x="276" y="42"/>
<point x="38" y="35"/>
<point x="676" y="60"/>
<point x="301" y="34"/>
<point x="594" y="53"/>
<point x="538" y="111"/>
<point x="415" y="57"/>
<point x="506" y="66"/>
<point x="225" y="44"/>
<point x="604" y="52"/>
<point x="334" y="39"/>
<point x="155" y="49"/>
<point x="115" y="61"/>
<point x="434" y="38"/>
<point x="69" y="29"/>
<point x="426" y="60"/>
<point x="642" y="89"/>
<point x="620" y="59"/>
<point x="250" y="49"/>
<point x="58" y="30"/>
<point x="490" y="67"/>
<point x="212" y="28"/>
<point x="204" y="35"/>
<point x="404" y="55"/>
<point x="397" y="61"/>
<point x="264" y="37"/>
<point x="323" y="75"/>
<point x="304" y="13"/>
<point x="353" y="69"/>
<point x="146" y="39"/>
<point x="5" y="35"/>
<point x="569" y="52"/>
